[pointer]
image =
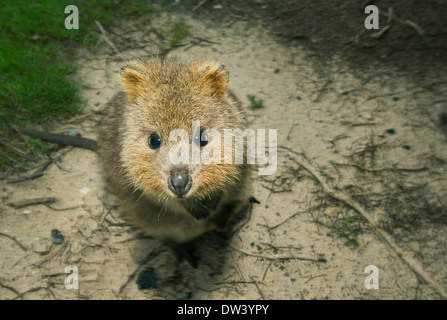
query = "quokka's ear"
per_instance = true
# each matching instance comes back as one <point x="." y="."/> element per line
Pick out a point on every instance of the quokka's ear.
<point x="211" y="75"/>
<point x="135" y="79"/>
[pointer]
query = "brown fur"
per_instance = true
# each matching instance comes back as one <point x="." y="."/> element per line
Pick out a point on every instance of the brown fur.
<point x="160" y="97"/>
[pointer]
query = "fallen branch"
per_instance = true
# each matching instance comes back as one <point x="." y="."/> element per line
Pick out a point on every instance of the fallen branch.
<point x="16" y="151"/>
<point x="413" y="264"/>
<point x="316" y="276"/>
<point x="15" y="240"/>
<point x="60" y="209"/>
<point x="106" y="39"/>
<point x="33" y="176"/>
<point x="9" y="288"/>
<point x="199" y="5"/>
<point x="53" y="252"/>
<point x="30" y="202"/>
<point x="414" y="25"/>
<point x="36" y="174"/>
<point x="280" y="256"/>
<point x="20" y="295"/>
<point x="381" y="169"/>
<point x="377" y="35"/>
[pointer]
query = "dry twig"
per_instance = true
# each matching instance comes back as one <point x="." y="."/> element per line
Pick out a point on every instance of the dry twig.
<point x="31" y="202"/>
<point x="10" y="289"/>
<point x="413" y="264"/>
<point x="199" y="5"/>
<point x="36" y="174"/>
<point x="15" y="240"/>
<point x="280" y="256"/>
<point x="410" y="23"/>
<point x="381" y="169"/>
<point x="16" y="151"/>
<point x="106" y="39"/>
<point x="20" y="295"/>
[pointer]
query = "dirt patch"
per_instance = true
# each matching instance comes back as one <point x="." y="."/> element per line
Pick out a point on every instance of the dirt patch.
<point x="377" y="137"/>
<point x="411" y="36"/>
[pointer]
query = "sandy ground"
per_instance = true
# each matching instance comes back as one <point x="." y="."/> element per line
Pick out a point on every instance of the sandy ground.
<point x="331" y="116"/>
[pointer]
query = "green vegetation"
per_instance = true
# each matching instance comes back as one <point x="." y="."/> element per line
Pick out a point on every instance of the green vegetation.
<point x="179" y="31"/>
<point x="321" y="75"/>
<point x="35" y="61"/>
<point x="349" y="229"/>
<point x="172" y="34"/>
<point x="255" y="104"/>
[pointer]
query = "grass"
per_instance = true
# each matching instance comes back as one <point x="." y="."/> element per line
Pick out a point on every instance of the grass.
<point x="35" y="52"/>
<point x="344" y="226"/>
<point x="255" y="103"/>
<point x="349" y="230"/>
<point x="179" y="31"/>
<point x="34" y="84"/>
<point x="173" y="34"/>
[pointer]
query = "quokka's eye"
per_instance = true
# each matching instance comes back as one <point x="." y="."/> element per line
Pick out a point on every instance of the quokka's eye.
<point x="201" y="139"/>
<point x="154" y="141"/>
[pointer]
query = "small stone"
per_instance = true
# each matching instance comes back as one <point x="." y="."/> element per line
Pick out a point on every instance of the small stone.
<point x="57" y="237"/>
<point x="395" y="98"/>
<point x="442" y="116"/>
<point x="390" y="131"/>
<point x="406" y="147"/>
<point x="74" y="133"/>
<point x="147" y="279"/>
<point x="84" y="191"/>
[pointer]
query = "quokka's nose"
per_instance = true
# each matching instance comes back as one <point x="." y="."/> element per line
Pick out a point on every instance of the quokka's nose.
<point x="179" y="182"/>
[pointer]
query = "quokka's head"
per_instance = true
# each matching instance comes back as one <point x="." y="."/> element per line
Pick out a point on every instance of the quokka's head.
<point x="173" y="144"/>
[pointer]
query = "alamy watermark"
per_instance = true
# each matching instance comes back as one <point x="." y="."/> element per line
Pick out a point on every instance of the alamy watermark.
<point x="72" y="20"/>
<point x="72" y="280"/>
<point x="211" y="153"/>
<point x="372" y="280"/>
<point x="372" y="20"/>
